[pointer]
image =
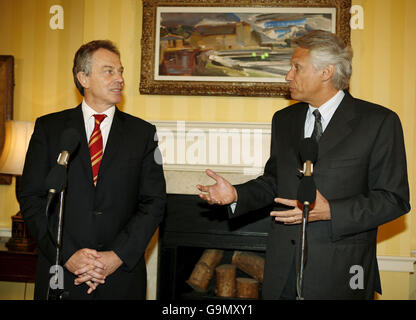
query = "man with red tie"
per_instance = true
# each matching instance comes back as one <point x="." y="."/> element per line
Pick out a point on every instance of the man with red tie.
<point x="115" y="195"/>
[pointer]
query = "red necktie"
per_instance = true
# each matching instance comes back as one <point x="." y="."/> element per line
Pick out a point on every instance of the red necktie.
<point x="96" y="146"/>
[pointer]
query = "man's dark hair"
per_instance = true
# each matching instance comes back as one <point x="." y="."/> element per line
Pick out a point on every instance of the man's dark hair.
<point x="82" y="59"/>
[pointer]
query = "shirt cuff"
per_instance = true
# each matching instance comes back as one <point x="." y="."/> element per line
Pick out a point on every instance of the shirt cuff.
<point x="232" y="206"/>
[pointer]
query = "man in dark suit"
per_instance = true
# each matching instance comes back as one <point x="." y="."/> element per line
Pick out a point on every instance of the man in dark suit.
<point x="115" y="196"/>
<point x="360" y="175"/>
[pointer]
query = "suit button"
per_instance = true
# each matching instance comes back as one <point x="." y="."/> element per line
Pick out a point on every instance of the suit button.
<point x="97" y="213"/>
<point x="292" y="242"/>
<point x="100" y="246"/>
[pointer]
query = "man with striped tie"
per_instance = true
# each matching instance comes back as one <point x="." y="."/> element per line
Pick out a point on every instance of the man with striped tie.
<point x="115" y="195"/>
<point x="360" y="176"/>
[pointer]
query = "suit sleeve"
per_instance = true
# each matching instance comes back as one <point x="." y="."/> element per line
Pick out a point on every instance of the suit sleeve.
<point x="260" y="192"/>
<point x="131" y="243"/>
<point x="32" y="196"/>
<point x="388" y="195"/>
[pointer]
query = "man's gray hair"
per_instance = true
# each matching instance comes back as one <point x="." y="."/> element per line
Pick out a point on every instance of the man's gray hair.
<point x="328" y="49"/>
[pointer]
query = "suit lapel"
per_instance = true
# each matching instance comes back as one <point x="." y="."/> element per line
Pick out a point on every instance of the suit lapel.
<point x="298" y="127"/>
<point x="298" y="130"/>
<point x="340" y="126"/>
<point x="76" y="121"/>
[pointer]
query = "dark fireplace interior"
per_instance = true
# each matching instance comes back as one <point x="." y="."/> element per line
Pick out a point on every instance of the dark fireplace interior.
<point x="190" y="227"/>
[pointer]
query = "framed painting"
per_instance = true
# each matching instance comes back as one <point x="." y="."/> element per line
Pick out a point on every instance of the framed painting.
<point x="6" y="102"/>
<point x="229" y="47"/>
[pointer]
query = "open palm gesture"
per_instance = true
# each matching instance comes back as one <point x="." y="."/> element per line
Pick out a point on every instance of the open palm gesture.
<point x="222" y="192"/>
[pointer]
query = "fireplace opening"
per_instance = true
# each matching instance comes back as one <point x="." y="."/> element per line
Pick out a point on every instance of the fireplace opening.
<point x="224" y="278"/>
<point x="190" y="228"/>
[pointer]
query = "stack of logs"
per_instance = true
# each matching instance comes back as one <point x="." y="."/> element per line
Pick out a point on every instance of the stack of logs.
<point x="227" y="285"/>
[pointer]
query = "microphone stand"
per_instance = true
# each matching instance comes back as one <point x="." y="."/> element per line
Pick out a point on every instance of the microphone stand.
<point x="56" y="285"/>
<point x="306" y="196"/>
<point x="299" y="286"/>
<point x="55" y="289"/>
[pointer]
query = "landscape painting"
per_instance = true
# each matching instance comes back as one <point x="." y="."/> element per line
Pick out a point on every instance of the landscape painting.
<point x="233" y="44"/>
<point x="229" y="47"/>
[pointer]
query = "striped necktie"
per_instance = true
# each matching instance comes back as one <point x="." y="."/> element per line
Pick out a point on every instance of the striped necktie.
<point x="96" y="146"/>
<point x="317" y="129"/>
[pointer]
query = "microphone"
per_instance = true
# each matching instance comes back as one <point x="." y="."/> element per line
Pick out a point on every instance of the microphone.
<point x="56" y="179"/>
<point x="307" y="190"/>
<point x="308" y="150"/>
<point x="69" y="142"/>
<point x="56" y="183"/>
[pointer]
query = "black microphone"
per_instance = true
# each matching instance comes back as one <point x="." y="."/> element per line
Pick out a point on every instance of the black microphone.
<point x="307" y="190"/>
<point x="308" y="150"/>
<point x="69" y="142"/>
<point x="56" y="179"/>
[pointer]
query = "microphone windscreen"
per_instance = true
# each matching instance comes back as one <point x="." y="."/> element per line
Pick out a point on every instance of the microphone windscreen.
<point x="307" y="190"/>
<point x="308" y="150"/>
<point x="56" y="178"/>
<point x="69" y="140"/>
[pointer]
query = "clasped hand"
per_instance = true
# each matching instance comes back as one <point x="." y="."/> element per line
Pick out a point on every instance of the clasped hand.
<point x="92" y="267"/>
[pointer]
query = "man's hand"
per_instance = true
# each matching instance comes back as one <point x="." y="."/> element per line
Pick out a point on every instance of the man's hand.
<point x="319" y="211"/>
<point x="84" y="264"/>
<point x="111" y="261"/>
<point x="222" y="192"/>
<point x="85" y="261"/>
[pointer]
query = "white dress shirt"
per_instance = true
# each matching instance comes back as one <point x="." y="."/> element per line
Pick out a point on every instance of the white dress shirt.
<point x="327" y="110"/>
<point x="89" y="121"/>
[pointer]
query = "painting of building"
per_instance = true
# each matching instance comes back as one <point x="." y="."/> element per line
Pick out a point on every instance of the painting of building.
<point x="241" y="43"/>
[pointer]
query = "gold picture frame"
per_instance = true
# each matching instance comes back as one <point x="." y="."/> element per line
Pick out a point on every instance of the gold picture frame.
<point x="6" y="102"/>
<point x="191" y="47"/>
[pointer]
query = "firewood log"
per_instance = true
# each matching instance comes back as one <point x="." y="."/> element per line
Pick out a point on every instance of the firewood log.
<point x="250" y="263"/>
<point x="225" y="280"/>
<point x="247" y="288"/>
<point x="212" y="258"/>
<point x="204" y="269"/>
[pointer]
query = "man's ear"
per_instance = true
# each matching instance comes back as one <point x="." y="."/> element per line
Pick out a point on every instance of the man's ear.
<point x="83" y="79"/>
<point x="328" y="72"/>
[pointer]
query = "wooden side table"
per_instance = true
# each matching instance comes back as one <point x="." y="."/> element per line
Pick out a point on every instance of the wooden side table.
<point x="16" y="266"/>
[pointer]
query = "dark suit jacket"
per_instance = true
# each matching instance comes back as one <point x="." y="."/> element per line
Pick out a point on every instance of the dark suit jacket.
<point x="361" y="171"/>
<point x="121" y="213"/>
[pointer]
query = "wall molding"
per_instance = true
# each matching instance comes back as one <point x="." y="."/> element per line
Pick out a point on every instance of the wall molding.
<point x="226" y="147"/>
<point x="396" y="263"/>
<point x="5" y="232"/>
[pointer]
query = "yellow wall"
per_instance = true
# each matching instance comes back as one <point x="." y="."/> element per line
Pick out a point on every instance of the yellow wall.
<point x="384" y="72"/>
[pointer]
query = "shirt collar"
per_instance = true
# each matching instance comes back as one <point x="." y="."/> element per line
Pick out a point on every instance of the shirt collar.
<point x="89" y="112"/>
<point x="328" y="108"/>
